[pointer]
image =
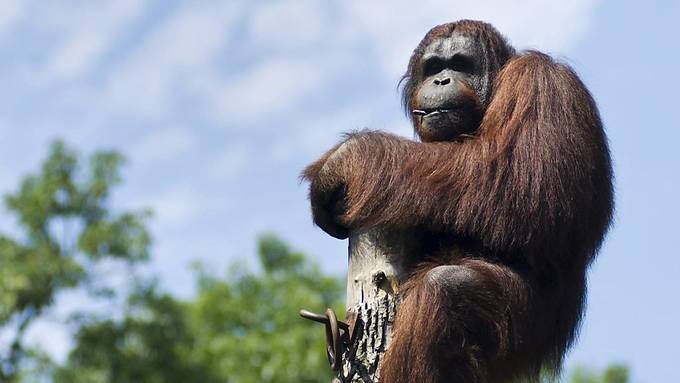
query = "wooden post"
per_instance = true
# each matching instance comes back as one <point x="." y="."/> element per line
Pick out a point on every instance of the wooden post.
<point x="377" y="266"/>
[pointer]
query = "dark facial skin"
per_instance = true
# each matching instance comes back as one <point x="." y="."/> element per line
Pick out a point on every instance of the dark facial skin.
<point x="447" y="102"/>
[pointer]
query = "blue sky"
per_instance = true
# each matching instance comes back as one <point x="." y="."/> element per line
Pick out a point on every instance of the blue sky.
<point x="219" y="105"/>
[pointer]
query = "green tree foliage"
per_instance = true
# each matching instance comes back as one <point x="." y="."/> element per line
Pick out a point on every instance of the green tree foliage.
<point x="615" y="373"/>
<point x="243" y="328"/>
<point x="65" y="227"/>
<point x="153" y="343"/>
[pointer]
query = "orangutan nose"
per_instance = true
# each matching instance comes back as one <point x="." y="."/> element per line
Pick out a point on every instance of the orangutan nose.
<point x="442" y="81"/>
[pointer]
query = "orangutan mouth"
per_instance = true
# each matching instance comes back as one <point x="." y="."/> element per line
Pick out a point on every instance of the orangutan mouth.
<point x="429" y="112"/>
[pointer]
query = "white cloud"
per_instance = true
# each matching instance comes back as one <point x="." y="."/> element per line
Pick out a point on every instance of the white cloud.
<point x="317" y="133"/>
<point x="162" y="144"/>
<point x="88" y="31"/>
<point x="544" y="24"/>
<point x="385" y="30"/>
<point x="180" y="205"/>
<point x="359" y="36"/>
<point x="303" y="45"/>
<point x="289" y="25"/>
<point x="229" y="163"/>
<point x="181" y="50"/>
<point x="177" y="206"/>
<point x="12" y="11"/>
<point x="273" y="87"/>
<point x="75" y="55"/>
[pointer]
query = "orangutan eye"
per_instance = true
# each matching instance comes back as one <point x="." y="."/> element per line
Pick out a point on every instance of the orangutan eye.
<point x="432" y="66"/>
<point x="461" y="63"/>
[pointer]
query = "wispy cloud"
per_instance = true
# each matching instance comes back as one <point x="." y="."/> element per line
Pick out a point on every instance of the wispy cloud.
<point x="287" y="26"/>
<point x="229" y="163"/>
<point x="176" y="206"/>
<point x="84" y="33"/>
<point x="365" y="36"/>
<point x="394" y="33"/>
<point x="170" y="59"/>
<point x="163" y="144"/>
<point x="295" y="49"/>
<point x="12" y="11"/>
<point x="273" y="87"/>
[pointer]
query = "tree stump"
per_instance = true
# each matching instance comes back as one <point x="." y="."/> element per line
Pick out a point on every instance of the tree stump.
<point x="377" y="267"/>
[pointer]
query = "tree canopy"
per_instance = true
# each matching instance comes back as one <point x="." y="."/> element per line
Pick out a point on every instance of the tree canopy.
<point x="65" y="227"/>
<point x="240" y="328"/>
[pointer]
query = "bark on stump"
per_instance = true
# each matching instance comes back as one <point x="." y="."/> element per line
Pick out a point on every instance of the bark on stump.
<point x="377" y="266"/>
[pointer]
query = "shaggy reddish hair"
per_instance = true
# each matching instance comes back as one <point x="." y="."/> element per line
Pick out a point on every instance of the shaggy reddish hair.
<point x="509" y="220"/>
